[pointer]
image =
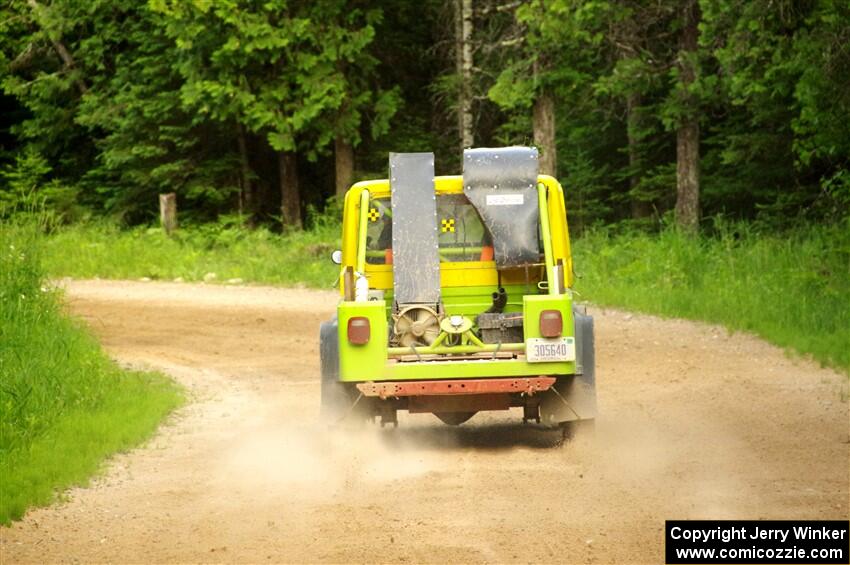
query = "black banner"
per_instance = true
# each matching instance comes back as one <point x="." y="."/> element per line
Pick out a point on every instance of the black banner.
<point x="757" y="541"/>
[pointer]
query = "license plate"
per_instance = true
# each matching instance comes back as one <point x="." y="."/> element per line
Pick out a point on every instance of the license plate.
<point x="542" y="350"/>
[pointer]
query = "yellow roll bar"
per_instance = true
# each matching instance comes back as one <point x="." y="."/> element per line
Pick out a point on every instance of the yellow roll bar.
<point x="364" y="224"/>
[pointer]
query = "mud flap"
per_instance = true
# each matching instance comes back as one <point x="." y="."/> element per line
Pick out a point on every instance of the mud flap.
<point x="573" y="397"/>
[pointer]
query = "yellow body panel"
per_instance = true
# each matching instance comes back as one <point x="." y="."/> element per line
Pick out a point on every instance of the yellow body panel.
<point x="462" y="274"/>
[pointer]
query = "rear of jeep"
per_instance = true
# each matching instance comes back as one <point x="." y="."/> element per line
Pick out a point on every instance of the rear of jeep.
<point x="455" y="297"/>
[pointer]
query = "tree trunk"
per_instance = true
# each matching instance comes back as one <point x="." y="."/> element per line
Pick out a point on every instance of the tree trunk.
<point x="344" y="157"/>
<point x="246" y="197"/>
<point x="290" y="199"/>
<point x="464" y="46"/>
<point x="543" y="124"/>
<point x="687" y="135"/>
<point x="640" y="208"/>
<point x="687" y="176"/>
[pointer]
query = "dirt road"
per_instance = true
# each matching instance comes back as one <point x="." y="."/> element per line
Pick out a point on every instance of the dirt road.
<point x="694" y="424"/>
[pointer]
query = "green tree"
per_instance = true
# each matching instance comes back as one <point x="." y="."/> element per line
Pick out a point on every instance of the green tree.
<point x="148" y="141"/>
<point x="39" y="70"/>
<point x="602" y="65"/>
<point x="783" y="67"/>
<point x="550" y="62"/>
<point x="97" y="80"/>
<point x="295" y="73"/>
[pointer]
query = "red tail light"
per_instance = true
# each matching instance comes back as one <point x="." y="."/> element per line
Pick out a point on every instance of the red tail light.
<point x="359" y="330"/>
<point x="551" y="323"/>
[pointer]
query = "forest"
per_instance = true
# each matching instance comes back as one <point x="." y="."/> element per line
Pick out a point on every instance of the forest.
<point x="651" y="113"/>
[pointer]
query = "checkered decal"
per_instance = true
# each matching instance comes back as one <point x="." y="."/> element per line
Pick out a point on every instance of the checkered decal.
<point x="373" y="215"/>
<point x="447" y="225"/>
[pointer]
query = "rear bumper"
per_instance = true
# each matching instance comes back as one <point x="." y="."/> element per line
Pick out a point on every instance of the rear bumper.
<point x="466" y="369"/>
<point x="528" y="386"/>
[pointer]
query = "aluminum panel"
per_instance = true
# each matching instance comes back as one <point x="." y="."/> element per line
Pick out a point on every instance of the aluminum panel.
<point x="502" y="185"/>
<point x="416" y="255"/>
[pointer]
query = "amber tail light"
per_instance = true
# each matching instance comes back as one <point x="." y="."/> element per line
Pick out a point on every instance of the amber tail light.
<point x="359" y="330"/>
<point x="551" y="323"/>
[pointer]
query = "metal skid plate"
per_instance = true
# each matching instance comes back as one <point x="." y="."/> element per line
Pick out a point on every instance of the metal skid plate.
<point x="502" y="185"/>
<point x="416" y="256"/>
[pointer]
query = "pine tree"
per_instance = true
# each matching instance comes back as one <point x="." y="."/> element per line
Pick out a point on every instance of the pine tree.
<point x="294" y="73"/>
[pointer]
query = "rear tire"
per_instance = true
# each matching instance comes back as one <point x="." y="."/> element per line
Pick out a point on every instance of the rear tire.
<point x="336" y="401"/>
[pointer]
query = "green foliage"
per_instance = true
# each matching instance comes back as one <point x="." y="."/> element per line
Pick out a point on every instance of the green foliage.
<point x="791" y="289"/>
<point x="224" y="251"/>
<point x="119" y="100"/>
<point x="512" y="89"/>
<point x="782" y="72"/>
<point x="25" y="189"/>
<point x="64" y="405"/>
<point x="770" y="92"/>
<point x="147" y="141"/>
<point x="126" y="100"/>
<point x="297" y="73"/>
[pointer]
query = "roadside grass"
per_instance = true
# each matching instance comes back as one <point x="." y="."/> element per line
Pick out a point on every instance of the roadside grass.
<point x="791" y="289"/>
<point x="258" y="256"/>
<point x="64" y="405"/>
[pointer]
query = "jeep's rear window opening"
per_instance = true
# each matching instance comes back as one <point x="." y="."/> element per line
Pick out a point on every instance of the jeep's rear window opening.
<point x="461" y="233"/>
